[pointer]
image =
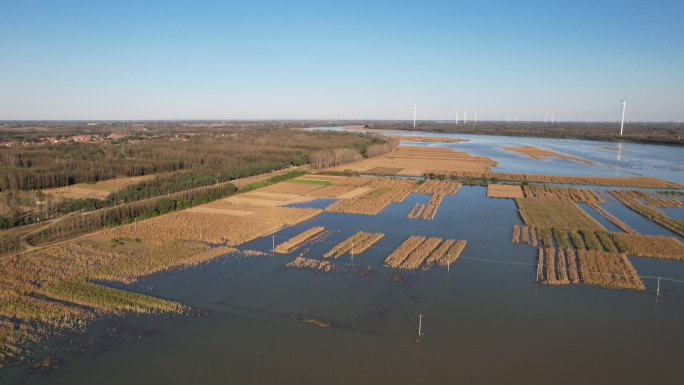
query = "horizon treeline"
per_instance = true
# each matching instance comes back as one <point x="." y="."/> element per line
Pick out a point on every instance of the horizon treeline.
<point x="63" y="164"/>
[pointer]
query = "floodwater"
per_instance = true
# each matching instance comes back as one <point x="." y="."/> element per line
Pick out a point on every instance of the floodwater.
<point x="611" y="159"/>
<point x="485" y="320"/>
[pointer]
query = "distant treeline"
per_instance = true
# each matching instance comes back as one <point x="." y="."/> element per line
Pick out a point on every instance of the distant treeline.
<point x="51" y="166"/>
<point x="339" y="156"/>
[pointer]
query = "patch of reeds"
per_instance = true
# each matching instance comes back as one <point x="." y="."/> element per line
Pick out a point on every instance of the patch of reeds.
<point x="232" y="230"/>
<point x="561" y="238"/>
<point x="399" y="255"/>
<point x="540" y="266"/>
<point x="577" y="241"/>
<point x="416" y="258"/>
<point x="533" y="236"/>
<point x="546" y="238"/>
<point x="298" y="240"/>
<point x="50" y="313"/>
<point x="550" y="254"/>
<point x="591" y="240"/>
<point x="560" y="267"/>
<point x="651" y="246"/>
<point x="129" y="268"/>
<point x="566" y="193"/>
<point x="416" y="211"/>
<point x="81" y="292"/>
<point x="506" y="191"/>
<point x="311" y="264"/>
<point x="555" y="213"/>
<point x="360" y="242"/>
<point x="573" y="274"/>
<point x="516" y="234"/>
<point x="453" y="253"/>
<point x="525" y="234"/>
<point x="608" y="269"/>
<point x="606" y="241"/>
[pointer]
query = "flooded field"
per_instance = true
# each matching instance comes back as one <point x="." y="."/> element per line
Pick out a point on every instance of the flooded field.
<point x="485" y="318"/>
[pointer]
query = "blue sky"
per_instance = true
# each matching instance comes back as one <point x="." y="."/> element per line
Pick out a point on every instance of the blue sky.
<point x="341" y="60"/>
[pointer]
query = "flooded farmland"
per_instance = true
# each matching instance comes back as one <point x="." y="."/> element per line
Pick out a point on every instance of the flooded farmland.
<point x="485" y="318"/>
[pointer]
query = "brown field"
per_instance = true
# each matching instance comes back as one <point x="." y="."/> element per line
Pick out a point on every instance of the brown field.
<point x="311" y="264"/>
<point x="209" y="210"/>
<point x="332" y="191"/>
<point x="260" y="198"/>
<point x="555" y="213"/>
<point x="383" y="171"/>
<point x="213" y="228"/>
<point x="263" y="177"/>
<point x="572" y="194"/>
<point x="291" y="188"/>
<point x="608" y="269"/>
<point x="445" y="187"/>
<point x="538" y="153"/>
<point x="377" y="195"/>
<point x="653" y="246"/>
<point x="416" y="161"/>
<point x="355" y="192"/>
<point x="98" y="190"/>
<point x="288" y="246"/>
<point x="504" y="191"/>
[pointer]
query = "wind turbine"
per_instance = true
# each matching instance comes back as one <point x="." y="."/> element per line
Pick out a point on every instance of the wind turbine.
<point x="553" y="117"/>
<point x="624" y="104"/>
<point x="456" y="116"/>
<point x="465" y="116"/>
<point x="414" y="115"/>
<point x="545" y="116"/>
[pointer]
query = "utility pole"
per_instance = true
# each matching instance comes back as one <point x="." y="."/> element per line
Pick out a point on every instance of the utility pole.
<point x="420" y="325"/>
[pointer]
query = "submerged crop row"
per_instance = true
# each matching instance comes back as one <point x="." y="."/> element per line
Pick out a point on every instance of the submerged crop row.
<point x="418" y="253"/>
<point x="357" y="243"/>
<point x="562" y="267"/>
<point x="298" y="240"/>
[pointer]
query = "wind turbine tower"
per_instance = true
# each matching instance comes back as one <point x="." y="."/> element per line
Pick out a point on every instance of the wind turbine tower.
<point x="624" y="105"/>
<point x="553" y="117"/>
<point x="545" y="116"/>
<point x="414" y="115"/>
<point x="456" y="116"/>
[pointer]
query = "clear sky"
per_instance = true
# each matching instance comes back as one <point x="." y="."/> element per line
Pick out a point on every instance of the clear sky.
<point x="341" y="59"/>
